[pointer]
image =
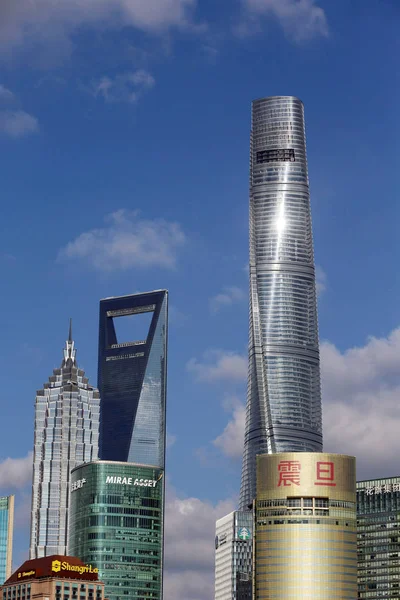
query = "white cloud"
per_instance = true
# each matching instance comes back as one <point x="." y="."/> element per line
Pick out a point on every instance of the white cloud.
<point x="219" y="365"/>
<point x="17" y="123"/>
<point x="321" y="280"/>
<point x="5" y="94"/>
<point x="127" y="242"/>
<point x="361" y="406"/>
<point x="361" y="409"/>
<point x="23" y="22"/>
<point x="127" y="87"/>
<point x="16" y="472"/>
<point x="231" y="440"/>
<point x="300" y="19"/>
<point x="227" y="297"/>
<point x="14" y="122"/>
<point x="189" y="546"/>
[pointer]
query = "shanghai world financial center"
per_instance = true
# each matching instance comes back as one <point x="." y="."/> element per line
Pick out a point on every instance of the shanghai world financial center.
<point x="132" y="381"/>
<point x="117" y="508"/>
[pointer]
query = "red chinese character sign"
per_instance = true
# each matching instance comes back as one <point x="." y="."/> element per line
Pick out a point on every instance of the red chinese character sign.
<point x="325" y="474"/>
<point x="308" y="474"/>
<point x="289" y="472"/>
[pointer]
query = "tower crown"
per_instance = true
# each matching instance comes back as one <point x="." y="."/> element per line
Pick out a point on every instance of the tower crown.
<point x="69" y="350"/>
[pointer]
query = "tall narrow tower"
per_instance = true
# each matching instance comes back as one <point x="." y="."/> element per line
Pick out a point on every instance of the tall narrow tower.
<point x="66" y="435"/>
<point x="283" y="411"/>
<point x="132" y="378"/>
<point x="6" y="536"/>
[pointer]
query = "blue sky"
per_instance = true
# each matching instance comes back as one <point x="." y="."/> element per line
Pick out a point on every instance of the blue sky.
<point x="124" y="137"/>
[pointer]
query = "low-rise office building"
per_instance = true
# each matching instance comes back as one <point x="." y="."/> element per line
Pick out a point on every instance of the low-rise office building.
<point x="54" y="578"/>
<point x="233" y="554"/>
<point x="378" y="538"/>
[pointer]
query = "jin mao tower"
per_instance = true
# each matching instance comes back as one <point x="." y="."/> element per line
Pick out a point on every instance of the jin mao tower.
<point x="66" y="435"/>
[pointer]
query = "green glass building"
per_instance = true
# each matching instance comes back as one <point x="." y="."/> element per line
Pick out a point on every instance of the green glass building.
<point x="116" y="524"/>
<point x="6" y="536"/>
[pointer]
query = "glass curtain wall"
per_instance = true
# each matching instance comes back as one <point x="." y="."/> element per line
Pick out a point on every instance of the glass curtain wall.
<point x="284" y="398"/>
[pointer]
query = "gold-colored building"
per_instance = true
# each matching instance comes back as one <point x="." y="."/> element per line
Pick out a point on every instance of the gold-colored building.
<point x="305" y="543"/>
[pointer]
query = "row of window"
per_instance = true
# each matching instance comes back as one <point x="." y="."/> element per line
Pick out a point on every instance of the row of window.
<point x="326" y="521"/>
<point x="305" y="502"/>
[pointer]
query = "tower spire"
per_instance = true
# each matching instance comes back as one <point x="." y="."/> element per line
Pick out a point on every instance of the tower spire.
<point x="69" y="350"/>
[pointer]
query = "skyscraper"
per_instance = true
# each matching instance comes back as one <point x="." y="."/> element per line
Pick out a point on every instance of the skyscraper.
<point x="116" y="524"/>
<point x="66" y="435"/>
<point x="128" y="481"/>
<point x="6" y="536"/>
<point x="132" y="378"/>
<point x="283" y="410"/>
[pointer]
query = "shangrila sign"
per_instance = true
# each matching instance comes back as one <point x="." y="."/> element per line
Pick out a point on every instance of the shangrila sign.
<point x="388" y="488"/>
<point x="58" y="566"/>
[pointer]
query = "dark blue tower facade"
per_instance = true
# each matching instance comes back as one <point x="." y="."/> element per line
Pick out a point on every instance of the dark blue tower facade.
<point x="132" y="380"/>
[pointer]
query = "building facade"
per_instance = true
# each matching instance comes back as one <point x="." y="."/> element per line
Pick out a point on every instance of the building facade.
<point x="116" y="523"/>
<point x="233" y="552"/>
<point x="378" y="538"/>
<point x="66" y="435"/>
<point x="54" y="578"/>
<point x="6" y="536"/>
<point x="305" y="527"/>
<point x="283" y="410"/>
<point x="132" y="379"/>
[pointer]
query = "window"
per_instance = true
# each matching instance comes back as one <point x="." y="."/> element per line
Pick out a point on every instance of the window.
<point x="294" y="501"/>
<point x="321" y="502"/>
<point x="281" y="155"/>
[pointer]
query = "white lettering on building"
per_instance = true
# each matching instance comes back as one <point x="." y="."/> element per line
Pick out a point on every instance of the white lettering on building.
<point x="131" y="481"/>
<point x="388" y="488"/>
<point x="77" y="485"/>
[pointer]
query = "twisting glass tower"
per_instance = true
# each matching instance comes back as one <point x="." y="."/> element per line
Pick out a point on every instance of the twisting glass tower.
<point x="284" y="397"/>
<point x="66" y="435"/>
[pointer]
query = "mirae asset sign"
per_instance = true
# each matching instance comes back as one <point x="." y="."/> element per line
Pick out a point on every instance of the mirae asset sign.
<point x="131" y="481"/>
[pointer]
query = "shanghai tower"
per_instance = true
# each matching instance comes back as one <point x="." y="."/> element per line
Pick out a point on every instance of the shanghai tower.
<point x="283" y="411"/>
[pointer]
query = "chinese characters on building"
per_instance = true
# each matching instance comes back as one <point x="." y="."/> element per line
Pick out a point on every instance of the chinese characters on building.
<point x="290" y="473"/>
<point x="77" y="484"/>
<point x="382" y="489"/>
<point x="325" y="473"/>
